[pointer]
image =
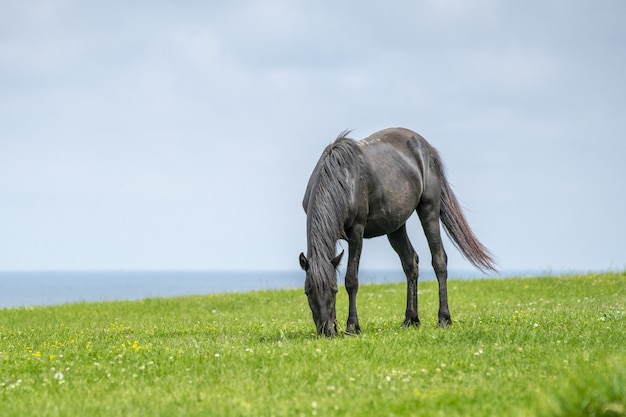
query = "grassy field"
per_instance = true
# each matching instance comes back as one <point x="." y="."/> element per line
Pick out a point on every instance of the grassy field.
<point x="539" y="346"/>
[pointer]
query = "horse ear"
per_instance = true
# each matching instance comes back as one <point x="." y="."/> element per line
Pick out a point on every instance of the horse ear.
<point x="304" y="262"/>
<point x="336" y="260"/>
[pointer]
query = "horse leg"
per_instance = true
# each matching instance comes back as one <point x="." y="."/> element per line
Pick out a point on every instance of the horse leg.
<point x="408" y="257"/>
<point x="355" y="245"/>
<point x="429" y="217"/>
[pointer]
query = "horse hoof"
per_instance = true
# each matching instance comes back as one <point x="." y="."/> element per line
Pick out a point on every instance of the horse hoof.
<point x="443" y="323"/>
<point x="353" y="329"/>
<point x="411" y="323"/>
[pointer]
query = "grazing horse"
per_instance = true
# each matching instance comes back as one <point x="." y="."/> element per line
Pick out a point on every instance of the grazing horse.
<point x="368" y="188"/>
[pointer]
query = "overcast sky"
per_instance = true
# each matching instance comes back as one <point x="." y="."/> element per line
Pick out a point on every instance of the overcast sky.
<point x="181" y="135"/>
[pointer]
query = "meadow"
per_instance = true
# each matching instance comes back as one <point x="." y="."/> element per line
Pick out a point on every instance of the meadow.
<point x="551" y="346"/>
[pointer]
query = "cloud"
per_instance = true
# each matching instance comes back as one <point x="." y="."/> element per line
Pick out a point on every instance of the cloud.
<point x="157" y="135"/>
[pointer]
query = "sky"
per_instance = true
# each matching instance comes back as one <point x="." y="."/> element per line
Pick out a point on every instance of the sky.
<point x="162" y="135"/>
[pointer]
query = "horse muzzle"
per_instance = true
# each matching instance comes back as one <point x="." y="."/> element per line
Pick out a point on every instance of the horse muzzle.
<point x="327" y="328"/>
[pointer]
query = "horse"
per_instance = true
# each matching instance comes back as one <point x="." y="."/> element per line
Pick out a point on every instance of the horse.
<point x="369" y="188"/>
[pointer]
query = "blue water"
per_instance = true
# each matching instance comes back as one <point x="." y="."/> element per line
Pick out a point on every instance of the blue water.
<point x="19" y="289"/>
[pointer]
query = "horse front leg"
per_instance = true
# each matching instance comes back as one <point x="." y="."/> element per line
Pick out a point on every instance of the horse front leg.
<point x="355" y="244"/>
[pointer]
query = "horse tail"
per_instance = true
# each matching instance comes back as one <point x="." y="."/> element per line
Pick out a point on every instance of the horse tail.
<point x="458" y="229"/>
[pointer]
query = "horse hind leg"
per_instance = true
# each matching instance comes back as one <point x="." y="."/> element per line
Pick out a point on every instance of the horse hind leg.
<point x="429" y="217"/>
<point x="400" y="242"/>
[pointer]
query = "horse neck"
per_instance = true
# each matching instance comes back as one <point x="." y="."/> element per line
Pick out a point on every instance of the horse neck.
<point x="325" y="220"/>
<point x="322" y="235"/>
<point x="331" y="197"/>
<point x="322" y="239"/>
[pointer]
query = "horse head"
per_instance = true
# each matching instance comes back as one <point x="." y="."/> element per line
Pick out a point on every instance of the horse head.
<point x="320" y="287"/>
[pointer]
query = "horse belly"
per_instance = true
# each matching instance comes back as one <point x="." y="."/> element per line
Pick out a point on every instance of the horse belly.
<point x="390" y="206"/>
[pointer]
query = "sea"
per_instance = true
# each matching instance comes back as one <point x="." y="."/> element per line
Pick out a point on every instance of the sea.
<point x="43" y="288"/>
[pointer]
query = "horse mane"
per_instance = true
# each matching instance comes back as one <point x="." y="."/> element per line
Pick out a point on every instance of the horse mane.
<point x="344" y="135"/>
<point x="329" y="204"/>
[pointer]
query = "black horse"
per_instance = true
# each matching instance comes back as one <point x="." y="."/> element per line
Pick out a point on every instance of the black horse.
<point x="368" y="188"/>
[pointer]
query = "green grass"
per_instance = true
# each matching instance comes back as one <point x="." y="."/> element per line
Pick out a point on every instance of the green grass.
<point x="539" y="346"/>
